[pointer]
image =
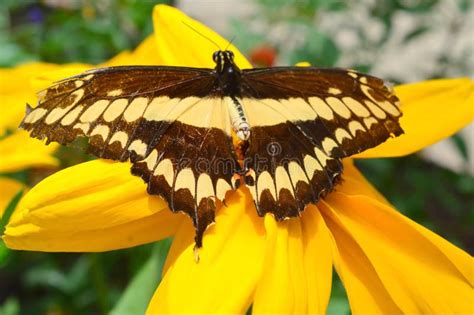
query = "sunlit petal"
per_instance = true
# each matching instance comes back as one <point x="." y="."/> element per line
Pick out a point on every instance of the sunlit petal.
<point x="44" y="80"/>
<point x="389" y="264"/>
<point x="432" y="110"/>
<point x="18" y="151"/>
<point x="317" y="260"/>
<point x="145" y="54"/>
<point x="15" y="92"/>
<point x="297" y="268"/>
<point x="88" y="207"/>
<point x="175" y="31"/>
<point x="230" y="264"/>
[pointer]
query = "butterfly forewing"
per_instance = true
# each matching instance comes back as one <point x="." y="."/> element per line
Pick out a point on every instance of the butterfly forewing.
<point x="161" y="118"/>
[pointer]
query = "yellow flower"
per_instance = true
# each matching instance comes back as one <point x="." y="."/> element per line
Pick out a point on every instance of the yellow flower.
<point x="388" y="263"/>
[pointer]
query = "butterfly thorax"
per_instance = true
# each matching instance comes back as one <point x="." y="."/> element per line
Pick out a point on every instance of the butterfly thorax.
<point x="228" y="74"/>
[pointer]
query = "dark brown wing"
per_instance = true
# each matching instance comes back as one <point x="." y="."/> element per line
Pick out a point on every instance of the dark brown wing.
<point x="304" y="120"/>
<point x="161" y="118"/>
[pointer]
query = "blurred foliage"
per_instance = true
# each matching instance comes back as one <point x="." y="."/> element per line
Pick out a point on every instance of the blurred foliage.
<point x="71" y="31"/>
<point x="121" y="282"/>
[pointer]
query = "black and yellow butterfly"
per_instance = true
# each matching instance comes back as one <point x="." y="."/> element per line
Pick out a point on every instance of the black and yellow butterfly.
<point x="193" y="134"/>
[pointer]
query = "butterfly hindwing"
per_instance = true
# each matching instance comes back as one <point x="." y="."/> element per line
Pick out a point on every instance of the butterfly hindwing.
<point x="192" y="167"/>
<point x="304" y="120"/>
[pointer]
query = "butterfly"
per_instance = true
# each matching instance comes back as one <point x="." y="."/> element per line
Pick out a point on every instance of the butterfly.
<point x="195" y="134"/>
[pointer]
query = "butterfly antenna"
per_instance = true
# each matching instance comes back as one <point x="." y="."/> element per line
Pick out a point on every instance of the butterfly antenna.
<point x="218" y="47"/>
<point x="230" y="43"/>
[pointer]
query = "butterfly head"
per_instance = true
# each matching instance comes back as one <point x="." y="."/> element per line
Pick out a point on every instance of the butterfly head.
<point x="223" y="59"/>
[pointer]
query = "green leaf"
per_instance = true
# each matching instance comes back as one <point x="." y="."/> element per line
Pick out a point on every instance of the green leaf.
<point x="338" y="306"/>
<point x="319" y="50"/>
<point x="10" y="307"/>
<point x="338" y="303"/>
<point x="136" y="296"/>
<point x="9" y="210"/>
<point x="4" y="252"/>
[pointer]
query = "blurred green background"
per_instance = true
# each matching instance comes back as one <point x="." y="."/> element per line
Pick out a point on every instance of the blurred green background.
<point x="371" y="36"/>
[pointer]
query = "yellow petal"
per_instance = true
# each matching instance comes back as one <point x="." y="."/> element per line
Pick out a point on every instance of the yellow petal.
<point x="15" y="92"/>
<point x="145" y="54"/>
<point x="297" y="267"/>
<point x="432" y="111"/>
<point x="317" y="260"/>
<point x="230" y="264"/>
<point x="44" y="80"/>
<point x="13" y="107"/>
<point x="92" y="206"/>
<point x="181" y="40"/>
<point x="9" y="188"/>
<point x="12" y="80"/>
<point x="389" y="264"/>
<point x="18" y="151"/>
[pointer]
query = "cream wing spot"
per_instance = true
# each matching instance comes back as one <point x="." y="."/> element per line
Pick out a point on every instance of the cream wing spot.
<point x="101" y="130"/>
<point x="138" y="146"/>
<point x="82" y="126"/>
<point x="151" y="160"/>
<point x="354" y="126"/>
<point x="121" y="137"/>
<point x="35" y="115"/>
<point x="115" y="109"/>
<point x="376" y="110"/>
<point x="264" y="112"/>
<point x="204" y="187"/>
<point x="186" y="180"/>
<point x="136" y="109"/>
<point x="56" y="114"/>
<point x="116" y="92"/>
<point x="368" y="122"/>
<point x="197" y="112"/>
<point x="155" y="110"/>
<point x="321" y="108"/>
<point x="356" y="107"/>
<point x="94" y="111"/>
<point x="282" y="180"/>
<point x="342" y="134"/>
<point x="296" y="173"/>
<point x="71" y="116"/>
<point x="322" y="157"/>
<point x="88" y="77"/>
<point x="265" y="181"/>
<point x="165" y="169"/>
<point x="338" y="107"/>
<point x="363" y="80"/>
<point x="222" y="187"/>
<point x="78" y="83"/>
<point x="385" y="105"/>
<point x="334" y="91"/>
<point x="352" y="74"/>
<point x="296" y="107"/>
<point x="311" y="165"/>
<point x="389" y="108"/>
<point x="328" y="144"/>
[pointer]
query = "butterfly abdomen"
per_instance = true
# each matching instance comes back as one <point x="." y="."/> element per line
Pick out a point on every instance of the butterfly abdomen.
<point x="238" y="118"/>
